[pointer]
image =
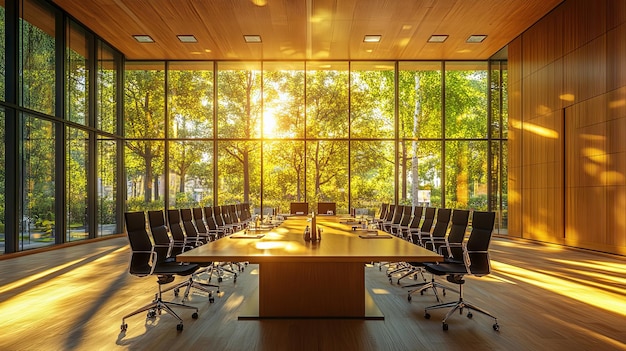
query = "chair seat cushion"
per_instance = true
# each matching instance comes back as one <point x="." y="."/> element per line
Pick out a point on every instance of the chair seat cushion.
<point x="446" y="268"/>
<point x="175" y="268"/>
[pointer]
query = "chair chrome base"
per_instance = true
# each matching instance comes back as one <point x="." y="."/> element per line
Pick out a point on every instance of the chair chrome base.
<point x="190" y="283"/>
<point x="155" y="307"/>
<point x="460" y="305"/>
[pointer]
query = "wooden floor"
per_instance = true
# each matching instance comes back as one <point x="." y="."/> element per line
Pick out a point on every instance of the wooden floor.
<point x="545" y="298"/>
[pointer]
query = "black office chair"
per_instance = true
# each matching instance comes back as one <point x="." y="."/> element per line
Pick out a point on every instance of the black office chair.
<point x="439" y="231"/>
<point x="397" y="229"/>
<point x="427" y="224"/>
<point x="147" y="260"/>
<point x="475" y="262"/>
<point x="198" y="221"/>
<point x="448" y="245"/>
<point x="191" y="231"/>
<point x="162" y="239"/>
<point x="175" y="225"/>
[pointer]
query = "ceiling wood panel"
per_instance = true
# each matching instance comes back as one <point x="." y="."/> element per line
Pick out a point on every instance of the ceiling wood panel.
<point x="308" y="29"/>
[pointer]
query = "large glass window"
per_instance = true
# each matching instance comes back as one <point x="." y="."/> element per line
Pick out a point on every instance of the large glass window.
<point x="77" y="74"/>
<point x="283" y="100"/>
<point x="419" y="100"/>
<point x="239" y="100"/>
<point x="466" y="174"/>
<point x="283" y="174"/>
<point x="190" y="92"/>
<point x="420" y="173"/>
<point x="466" y="99"/>
<point x="327" y="99"/>
<point x="371" y="174"/>
<point x="37" y="56"/>
<point x="37" y="212"/>
<point x="372" y="100"/>
<point x="106" y="99"/>
<point x="327" y="173"/>
<point x="106" y="150"/>
<point x="76" y="184"/>
<point x="190" y="173"/>
<point x="144" y="172"/>
<point x="239" y="172"/>
<point x="144" y="118"/>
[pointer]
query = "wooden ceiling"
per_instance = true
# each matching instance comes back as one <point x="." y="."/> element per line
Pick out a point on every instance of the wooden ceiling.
<point x="308" y="29"/>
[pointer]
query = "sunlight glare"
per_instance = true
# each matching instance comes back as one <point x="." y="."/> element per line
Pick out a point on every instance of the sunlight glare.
<point x="608" y="301"/>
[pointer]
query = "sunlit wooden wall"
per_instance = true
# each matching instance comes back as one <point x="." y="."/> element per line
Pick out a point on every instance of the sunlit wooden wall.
<point x="567" y="139"/>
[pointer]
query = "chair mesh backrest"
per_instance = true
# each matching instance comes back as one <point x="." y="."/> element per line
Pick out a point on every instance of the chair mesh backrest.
<point x="383" y="211"/>
<point x="187" y="219"/>
<point x="397" y="214"/>
<point x="176" y="229"/>
<point x="156" y="218"/>
<point x="456" y="235"/>
<point x="140" y="243"/>
<point x="390" y="212"/>
<point x="443" y="220"/>
<point x="458" y="226"/>
<point x="217" y="215"/>
<point x="417" y="217"/>
<point x="429" y="218"/>
<point x="198" y="220"/>
<point x="406" y="216"/>
<point x="478" y="242"/>
<point x="160" y="235"/>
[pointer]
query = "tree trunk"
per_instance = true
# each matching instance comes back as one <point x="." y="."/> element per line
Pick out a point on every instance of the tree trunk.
<point x="414" y="162"/>
<point x="246" y="176"/>
<point x="147" y="183"/>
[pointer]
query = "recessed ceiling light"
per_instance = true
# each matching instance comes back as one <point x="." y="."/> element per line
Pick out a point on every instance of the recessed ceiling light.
<point x="476" y="38"/>
<point x="437" y="38"/>
<point x="371" y="39"/>
<point x="187" y="39"/>
<point x="143" y="38"/>
<point x="252" y="38"/>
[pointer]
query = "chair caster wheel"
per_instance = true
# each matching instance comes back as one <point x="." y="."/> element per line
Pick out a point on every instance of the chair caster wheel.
<point x="496" y="327"/>
<point x="470" y="315"/>
<point x="444" y="292"/>
<point x="414" y="276"/>
<point x="176" y="291"/>
<point x="179" y="327"/>
<point x="445" y="326"/>
<point x="427" y="315"/>
<point x="151" y="314"/>
<point x="211" y="299"/>
<point x="219" y="280"/>
<point x="409" y="297"/>
<point x="124" y="326"/>
<point x="422" y="292"/>
<point x="194" y="315"/>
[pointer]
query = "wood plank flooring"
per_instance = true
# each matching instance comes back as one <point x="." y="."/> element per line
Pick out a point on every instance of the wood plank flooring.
<point x="545" y="297"/>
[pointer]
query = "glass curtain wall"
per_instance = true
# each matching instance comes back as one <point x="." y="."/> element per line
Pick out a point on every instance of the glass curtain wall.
<point x="106" y="110"/>
<point x="212" y="133"/>
<point x="283" y="135"/>
<point x="354" y="133"/>
<point x="420" y="128"/>
<point x="190" y="130"/>
<point x="60" y="110"/>
<point x="144" y="125"/>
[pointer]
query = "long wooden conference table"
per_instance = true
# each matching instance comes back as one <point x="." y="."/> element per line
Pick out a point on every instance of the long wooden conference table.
<point x="302" y="279"/>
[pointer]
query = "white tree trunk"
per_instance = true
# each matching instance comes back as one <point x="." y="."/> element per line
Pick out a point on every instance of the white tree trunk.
<point x="416" y="113"/>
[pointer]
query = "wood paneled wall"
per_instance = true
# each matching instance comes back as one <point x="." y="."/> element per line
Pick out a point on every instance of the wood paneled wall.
<point x="567" y="138"/>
